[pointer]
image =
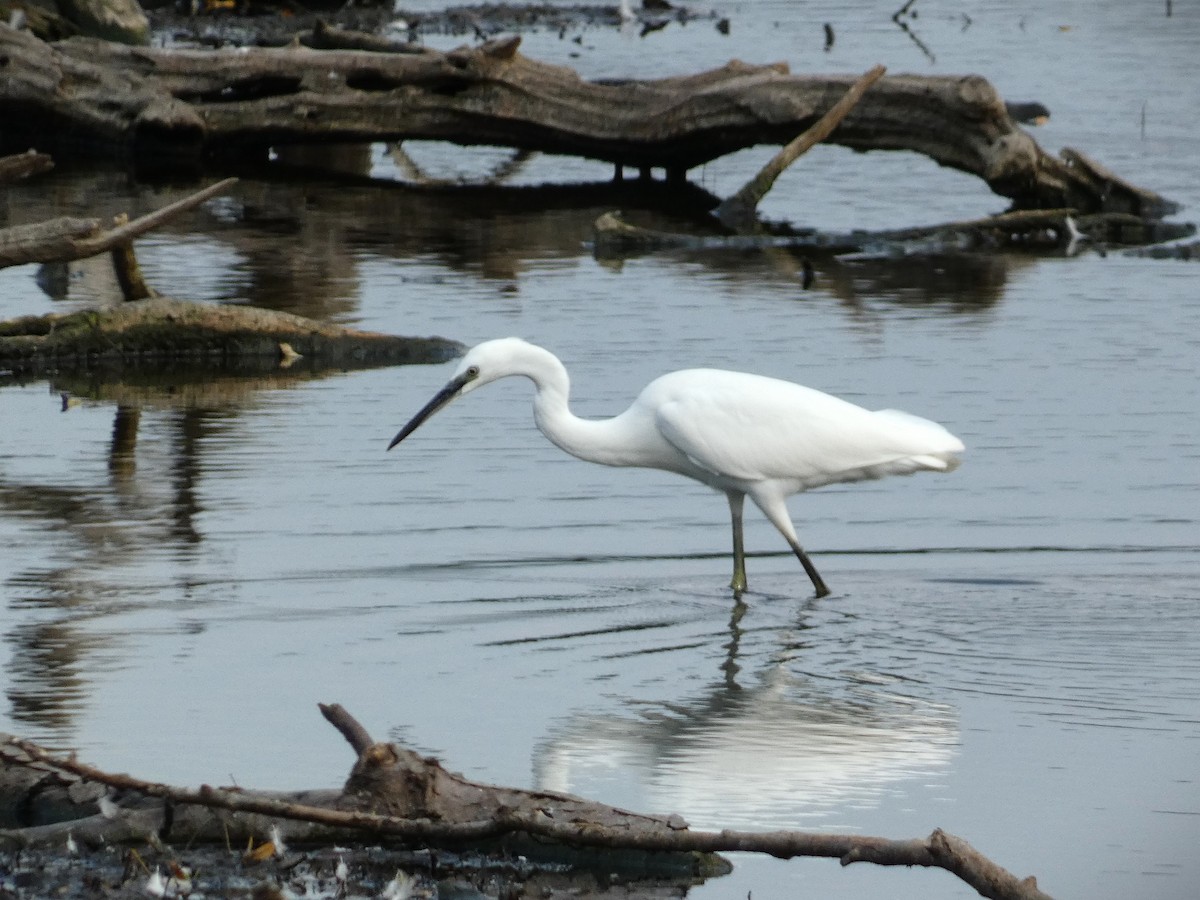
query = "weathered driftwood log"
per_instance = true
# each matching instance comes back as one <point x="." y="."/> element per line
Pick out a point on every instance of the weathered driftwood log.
<point x="172" y="105"/>
<point x="163" y="333"/>
<point x="1046" y="231"/>
<point x="395" y="792"/>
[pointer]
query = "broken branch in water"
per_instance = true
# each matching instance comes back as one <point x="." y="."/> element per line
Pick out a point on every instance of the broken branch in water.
<point x="67" y="238"/>
<point x="129" y="273"/>
<point x="739" y="211"/>
<point x="395" y="792"/>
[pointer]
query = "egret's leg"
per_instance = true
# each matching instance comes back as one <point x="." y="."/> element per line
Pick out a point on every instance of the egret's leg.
<point x="775" y="509"/>
<point x="738" y="583"/>
<point x="817" y="580"/>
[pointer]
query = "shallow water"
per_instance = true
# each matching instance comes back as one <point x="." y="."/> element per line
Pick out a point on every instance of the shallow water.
<point x="1011" y="652"/>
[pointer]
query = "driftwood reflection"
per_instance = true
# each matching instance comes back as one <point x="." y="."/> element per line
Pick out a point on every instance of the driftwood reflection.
<point x="305" y="246"/>
<point x="147" y="508"/>
<point x="781" y="752"/>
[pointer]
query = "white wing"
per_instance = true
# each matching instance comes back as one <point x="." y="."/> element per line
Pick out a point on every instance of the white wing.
<point x="751" y="428"/>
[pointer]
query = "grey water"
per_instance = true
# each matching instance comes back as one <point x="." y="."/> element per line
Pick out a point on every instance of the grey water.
<point x="1011" y="652"/>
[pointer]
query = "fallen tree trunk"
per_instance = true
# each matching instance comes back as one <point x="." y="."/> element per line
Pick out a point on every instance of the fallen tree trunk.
<point x="171" y="106"/>
<point x="396" y="793"/>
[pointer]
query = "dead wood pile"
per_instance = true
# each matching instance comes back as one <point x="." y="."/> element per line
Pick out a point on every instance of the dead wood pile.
<point x="172" y="106"/>
<point x="395" y="794"/>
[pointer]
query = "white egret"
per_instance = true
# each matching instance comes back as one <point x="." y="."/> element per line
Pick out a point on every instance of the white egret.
<point x="737" y="433"/>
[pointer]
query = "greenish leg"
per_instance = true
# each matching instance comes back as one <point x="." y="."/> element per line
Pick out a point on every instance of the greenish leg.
<point x="736" y="501"/>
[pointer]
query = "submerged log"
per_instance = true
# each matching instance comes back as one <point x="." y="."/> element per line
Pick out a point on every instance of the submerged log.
<point x="395" y="793"/>
<point x="168" y="106"/>
<point x="1057" y="231"/>
<point x="162" y="333"/>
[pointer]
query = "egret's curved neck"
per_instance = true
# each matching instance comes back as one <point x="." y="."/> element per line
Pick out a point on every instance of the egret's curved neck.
<point x="584" y="438"/>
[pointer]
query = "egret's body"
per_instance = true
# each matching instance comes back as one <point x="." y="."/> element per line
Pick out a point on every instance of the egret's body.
<point x="742" y="434"/>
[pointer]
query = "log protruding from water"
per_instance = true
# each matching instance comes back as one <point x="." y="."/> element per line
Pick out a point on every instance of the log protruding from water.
<point x="173" y="106"/>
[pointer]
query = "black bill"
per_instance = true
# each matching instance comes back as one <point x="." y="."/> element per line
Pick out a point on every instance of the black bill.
<point x="440" y="399"/>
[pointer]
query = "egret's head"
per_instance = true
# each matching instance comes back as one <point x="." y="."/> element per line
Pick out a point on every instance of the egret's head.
<point x="482" y="364"/>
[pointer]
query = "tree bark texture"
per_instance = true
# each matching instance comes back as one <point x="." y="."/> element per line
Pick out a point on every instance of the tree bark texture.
<point x="85" y="95"/>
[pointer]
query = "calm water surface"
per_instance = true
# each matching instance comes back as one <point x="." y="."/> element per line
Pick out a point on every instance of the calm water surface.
<point x="1011" y="652"/>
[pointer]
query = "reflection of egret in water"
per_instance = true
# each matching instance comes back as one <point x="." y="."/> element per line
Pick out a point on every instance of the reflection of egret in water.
<point x="775" y="756"/>
<point x="785" y="753"/>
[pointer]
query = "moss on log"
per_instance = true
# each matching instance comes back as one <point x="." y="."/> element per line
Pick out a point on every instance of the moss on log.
<point x="162" y="332"/>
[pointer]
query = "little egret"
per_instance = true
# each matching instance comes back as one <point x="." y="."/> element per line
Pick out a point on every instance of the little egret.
<point x="737" y="433"/>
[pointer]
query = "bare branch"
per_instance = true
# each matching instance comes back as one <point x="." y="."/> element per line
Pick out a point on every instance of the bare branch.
<point x="355" y="734"/>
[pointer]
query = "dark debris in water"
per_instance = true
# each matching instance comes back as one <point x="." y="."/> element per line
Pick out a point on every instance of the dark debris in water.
<point x="212" y="24"/>
<point x="331" y="872"/>
<point x="495" y="18"/>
